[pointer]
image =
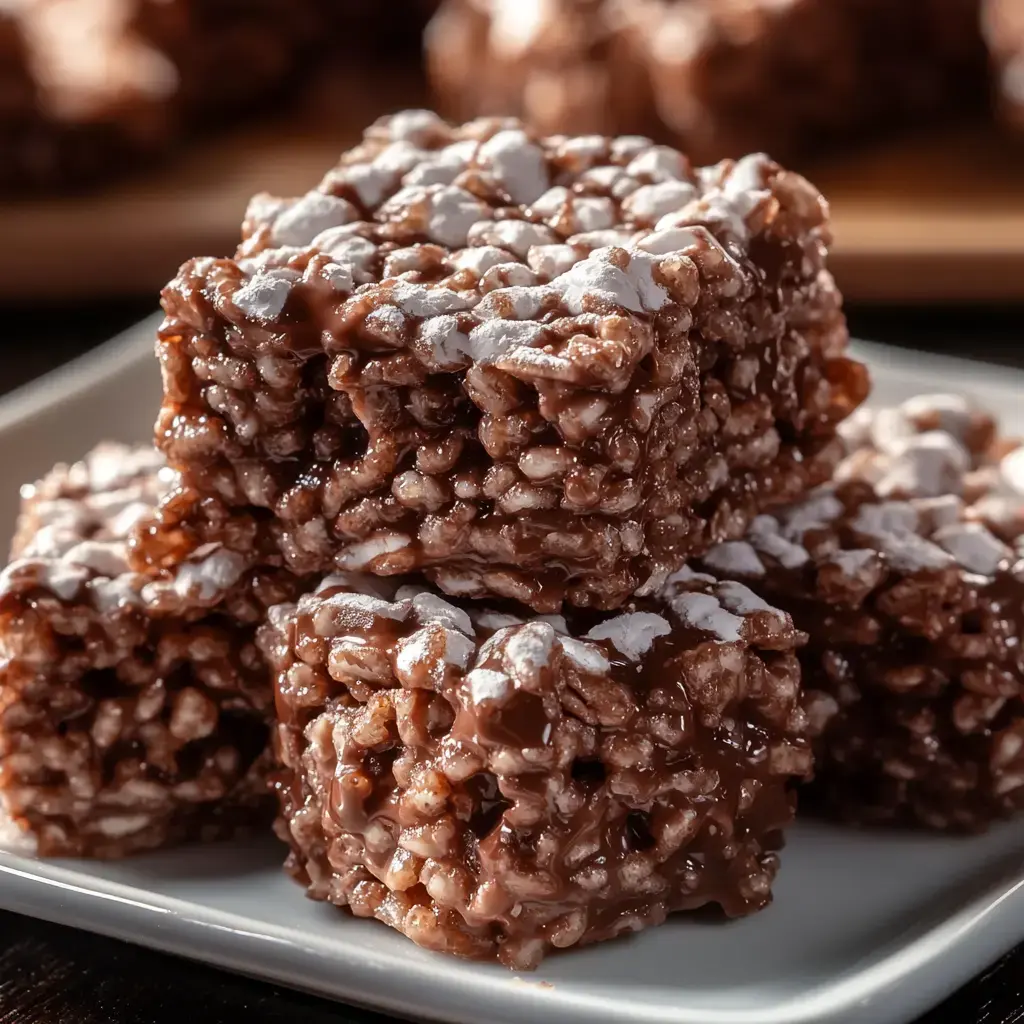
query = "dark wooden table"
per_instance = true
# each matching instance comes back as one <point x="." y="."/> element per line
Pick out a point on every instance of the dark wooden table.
<point x="54" y="975"/>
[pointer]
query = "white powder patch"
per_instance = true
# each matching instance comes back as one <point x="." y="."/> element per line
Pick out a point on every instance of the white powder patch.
<point x="659" y="163"/>
<point x="486" y="684"/>
<point x="551" y="201"/>
<point x="431" y="608"/>
<point x="556" y="622"/>
<point x="339" y="276"/>
<point x="855" y="430"/>
<point x="670" y="240"/>
<point x="116" y="592"/>
<point x="264" y="208"/>
<point x="595" y="279"/>
<point x="108" y="558"/>
<point x="211" y="577"/>
<point x="765" y="536"/>
<point x="448" y="346"/>
<point x="264" y="295"/>
<point x="371" y="182"/>
<point x="742" y="600"/>
<point x="62" y="579"/>
<point x="816" y="512"/>
<point x="419" y="301"/>
<point x="1011" y="472"/>
<point x="925" y="465"/>
<point x="735" y="558"/>
<point x="314" y="213"/>
<point x="853" y="561"/>
<point x="369" y="604"/>
<point x="517" y="303"/>
<point x="458" y="648"/>
<point x="886" y="517"/>
<point x="389" y="318"/>
<point x="548" y="261"/>
<point x="349" y="250"/>
<point x="688" y="575"/>
<point x="891" y="525"/>
<point x="362" y="554"/>
<point x="950" y="413"/>
<point x="133" y="513"/>
<point x="529" y="649"/>
<point x="517" y="164"/>
<point x="586" y="657"/>
<point x="940" y="511"/>
<point x="334" y="614"/>
<point x="705" y="612"/>
<point x="110" y="465"/>
<point x="415" y="126"/>
<point x="480" y="259"/>
<point x="592" y="213"/>
<point x="491" y="340"/>
<point x="632" y="634"/>
<point x="443" y="166"/>
<point x="52" y="541"/>
<point x="517" y="236"/>
<point x="453" y="211"/>
<point x="12" y="838"/>
<point x="496" y="620"/>
<point x="356" y="581"/>
<point x="650" y="203"/>
<point x="974" y="547"/>
<point x="414" y="652"/>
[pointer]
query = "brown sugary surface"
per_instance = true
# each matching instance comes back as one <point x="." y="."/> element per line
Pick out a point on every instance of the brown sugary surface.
<point x="908" y="577"/>
<point x="496" y="787"/>
<point x="134" y="710"/>
<point x="722" y="76"/>
<point x="543" y="368"/>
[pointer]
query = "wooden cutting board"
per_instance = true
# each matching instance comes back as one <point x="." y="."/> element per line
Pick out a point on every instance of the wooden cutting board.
<point x="938" y="218"/>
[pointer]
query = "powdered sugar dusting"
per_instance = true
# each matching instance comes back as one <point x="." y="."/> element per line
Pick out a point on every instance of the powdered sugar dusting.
<point x="705" y="612"/>
<point x="517" y="163"/>
<point x="633" y="633"/>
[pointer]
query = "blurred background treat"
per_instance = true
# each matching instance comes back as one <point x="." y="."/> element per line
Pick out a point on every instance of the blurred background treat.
<point x="132" y="132"/>
<point x="717" y="77"/>
<point x="1003" y="22"/>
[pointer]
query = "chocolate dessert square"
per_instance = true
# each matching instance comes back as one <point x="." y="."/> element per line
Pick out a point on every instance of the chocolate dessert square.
<point x="908" y="577"/>
<point x="496" y="784"/>
<point x="134" y="711"/>
<point x="547" y="369"/>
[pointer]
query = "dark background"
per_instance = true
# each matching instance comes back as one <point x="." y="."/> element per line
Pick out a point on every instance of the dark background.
<point x="54" y="975"/>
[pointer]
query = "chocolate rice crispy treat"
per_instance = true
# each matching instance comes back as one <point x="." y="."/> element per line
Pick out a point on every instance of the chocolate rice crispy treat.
<point x="1004" y="32"/>
<point x="229" y="54"/>
<point x="723" y="77"/>
<point x="97" y="97"/>
<point x="540" y="368"/>
<point x="134" y="711"/>
<point x="907" y="579"/>
<point x="560" y="66"/>
<point x="494" y="787"/>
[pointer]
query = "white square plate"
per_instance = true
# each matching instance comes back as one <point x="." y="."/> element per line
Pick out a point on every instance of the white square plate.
<point x="866" y="928"/>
